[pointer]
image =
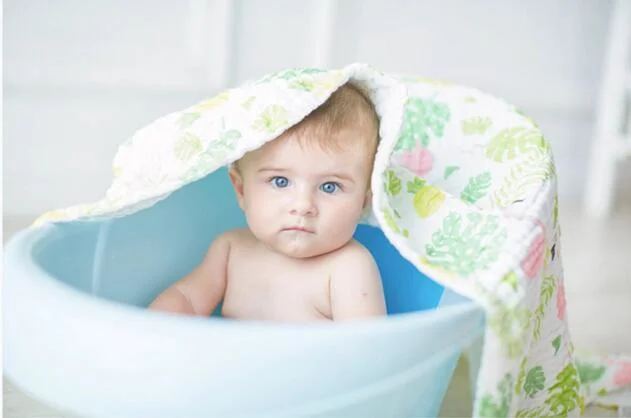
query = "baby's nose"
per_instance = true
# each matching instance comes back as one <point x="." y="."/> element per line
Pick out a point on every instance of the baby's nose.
<point x="304" y="205"/>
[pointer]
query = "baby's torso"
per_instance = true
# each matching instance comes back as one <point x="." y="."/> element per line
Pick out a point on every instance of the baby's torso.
<point x="263" y="285"/>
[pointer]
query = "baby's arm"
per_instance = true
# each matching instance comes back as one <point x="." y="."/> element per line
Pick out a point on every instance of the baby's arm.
<point x="200" y="291"/>
<point x="356" y="288"/>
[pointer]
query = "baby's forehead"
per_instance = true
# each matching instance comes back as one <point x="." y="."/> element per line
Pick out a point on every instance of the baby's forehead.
<point x="309" y="146"/>
<point x="293" y="152"/>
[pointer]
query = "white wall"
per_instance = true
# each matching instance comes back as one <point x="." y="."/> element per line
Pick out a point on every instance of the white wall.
<point x="81" y="76"/>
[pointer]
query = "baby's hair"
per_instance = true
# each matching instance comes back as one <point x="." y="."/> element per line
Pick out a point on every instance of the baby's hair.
<point x="346" y="108"/>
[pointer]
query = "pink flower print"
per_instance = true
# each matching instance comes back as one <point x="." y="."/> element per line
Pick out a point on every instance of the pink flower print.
<point x="561" y="303"/>
<point x="419" y="161"/>
<point x="534" y="260"/>
<point x="623" y="375"/>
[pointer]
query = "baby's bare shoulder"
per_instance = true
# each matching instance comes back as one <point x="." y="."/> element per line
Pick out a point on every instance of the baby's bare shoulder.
<point x="353" y="251"/>
<point x="353" y="257"/>
<point x="355" y="287"/>
<point x="236" y="237"/>
<point x="226" y="243"/>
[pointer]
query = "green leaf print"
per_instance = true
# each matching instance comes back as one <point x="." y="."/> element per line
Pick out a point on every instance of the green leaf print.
<point x="213" y="102"/>
<point x="476" y="125"/>
<point x="521" y="376"/>
<point x="556" y="343"/>
<point x="524" y="178"/>
<point x="498" y="407"/>
<point x="393" y="186"/>
<point x="466" y="244"/>
<point x="449" y="170"/>
<point x="589" y="373"/>
<point x="271" y="119"/>
<point x="205" y="164"/>
<point x="187" y="119"/>
<point x="423" y="119"/>
<point x="416" y="185"/>
<point x="392" y="224"/>
<point x="187" y="147"/>
<point x="216" y="152"/>
<point x="230" y="136"/>
<point x="290" y="74"/>
<point x="305" y="85"/>
<point x="535" y="381"/>
<point x="511" y="142"/>
<point x="223" y="146"/>
<point x="476" y="188"/>
<point x="548" y="286"/>
<point x="509" y="325"/>
<point x="564" y="394"/>
<point x="248" y="103"/>
<point x="536" y="412"/>
<point x="547" y="257"/>
<point x="511" y="280"/>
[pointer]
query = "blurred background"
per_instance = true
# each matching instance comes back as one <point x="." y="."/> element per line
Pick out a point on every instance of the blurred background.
<point x="81" y="76"/>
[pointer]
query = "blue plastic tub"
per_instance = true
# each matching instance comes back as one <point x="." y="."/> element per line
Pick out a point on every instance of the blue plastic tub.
<point x="78" y="336"/>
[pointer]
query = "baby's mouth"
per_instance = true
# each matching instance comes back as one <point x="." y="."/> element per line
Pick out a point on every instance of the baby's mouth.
<point x="299" y="229"/>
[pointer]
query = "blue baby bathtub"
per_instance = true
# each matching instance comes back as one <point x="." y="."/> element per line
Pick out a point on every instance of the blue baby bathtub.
<point x="78" y="336"/>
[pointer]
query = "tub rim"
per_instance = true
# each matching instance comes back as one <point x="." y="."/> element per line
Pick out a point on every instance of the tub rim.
<point x="20" y="266"/>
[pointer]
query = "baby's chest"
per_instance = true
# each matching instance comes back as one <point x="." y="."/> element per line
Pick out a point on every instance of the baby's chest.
<point x="257" y="290"/>
<point x="273" y="284"/>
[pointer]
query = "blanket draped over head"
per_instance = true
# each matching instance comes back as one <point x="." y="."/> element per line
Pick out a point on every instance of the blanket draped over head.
<point x="464" y="186"/>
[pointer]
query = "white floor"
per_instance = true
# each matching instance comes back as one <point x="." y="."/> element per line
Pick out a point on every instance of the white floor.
<point x="598" y="282"/>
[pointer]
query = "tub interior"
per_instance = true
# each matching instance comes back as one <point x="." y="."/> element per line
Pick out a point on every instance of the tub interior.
<point x="132" y="259"/>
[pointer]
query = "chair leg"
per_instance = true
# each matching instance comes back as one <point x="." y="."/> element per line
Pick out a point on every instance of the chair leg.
<point x="606" y="145"/>
<point x="601" y="181"/>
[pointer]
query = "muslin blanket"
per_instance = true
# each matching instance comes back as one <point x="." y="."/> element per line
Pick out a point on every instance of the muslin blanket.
<point x="464" y="186"/>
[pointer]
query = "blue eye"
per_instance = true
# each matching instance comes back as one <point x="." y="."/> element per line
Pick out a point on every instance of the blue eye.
<point x="330" y="187"/>
<point x="280" y="181"/>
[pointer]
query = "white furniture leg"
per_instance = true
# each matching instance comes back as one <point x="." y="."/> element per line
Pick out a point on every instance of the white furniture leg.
<point x="610" y="144"/>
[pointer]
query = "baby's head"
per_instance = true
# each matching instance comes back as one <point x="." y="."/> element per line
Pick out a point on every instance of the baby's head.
<point x="303" y="193"/>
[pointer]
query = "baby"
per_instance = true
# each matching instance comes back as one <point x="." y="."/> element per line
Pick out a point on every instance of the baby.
<point x="303" y="195"/>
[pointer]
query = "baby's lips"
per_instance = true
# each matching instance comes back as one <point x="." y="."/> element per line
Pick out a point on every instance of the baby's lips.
<point x="298" y="228"/>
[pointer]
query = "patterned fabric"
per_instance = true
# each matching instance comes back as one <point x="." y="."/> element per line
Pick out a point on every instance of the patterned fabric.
<point x="464" y="186"/>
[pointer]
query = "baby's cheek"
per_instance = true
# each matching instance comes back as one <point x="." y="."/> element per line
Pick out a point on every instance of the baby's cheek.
<point x="260" y="213"/>
<point x="345" y="217"/>
<point x="256" y="212"/>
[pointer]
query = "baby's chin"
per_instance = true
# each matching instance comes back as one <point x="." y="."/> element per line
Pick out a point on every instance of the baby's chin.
<point x="303" y="247"/>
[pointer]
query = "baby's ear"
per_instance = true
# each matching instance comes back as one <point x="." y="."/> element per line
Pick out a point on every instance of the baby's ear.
<point x="237" y="183"/>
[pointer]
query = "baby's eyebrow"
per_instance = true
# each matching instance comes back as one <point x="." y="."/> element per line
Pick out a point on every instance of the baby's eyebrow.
<point x="341" y="176"/>
<point x="265" y="169"/>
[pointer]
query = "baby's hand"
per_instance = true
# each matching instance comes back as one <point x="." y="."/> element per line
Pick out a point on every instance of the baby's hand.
<point x="356" y="288"/>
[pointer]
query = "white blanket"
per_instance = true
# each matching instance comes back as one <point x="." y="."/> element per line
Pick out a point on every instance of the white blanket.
<point x="464" y="186"/>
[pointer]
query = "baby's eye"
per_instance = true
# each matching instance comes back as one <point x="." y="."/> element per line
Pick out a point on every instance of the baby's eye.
<point x="280" y="181"/>
<point x="330" y="187"/>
